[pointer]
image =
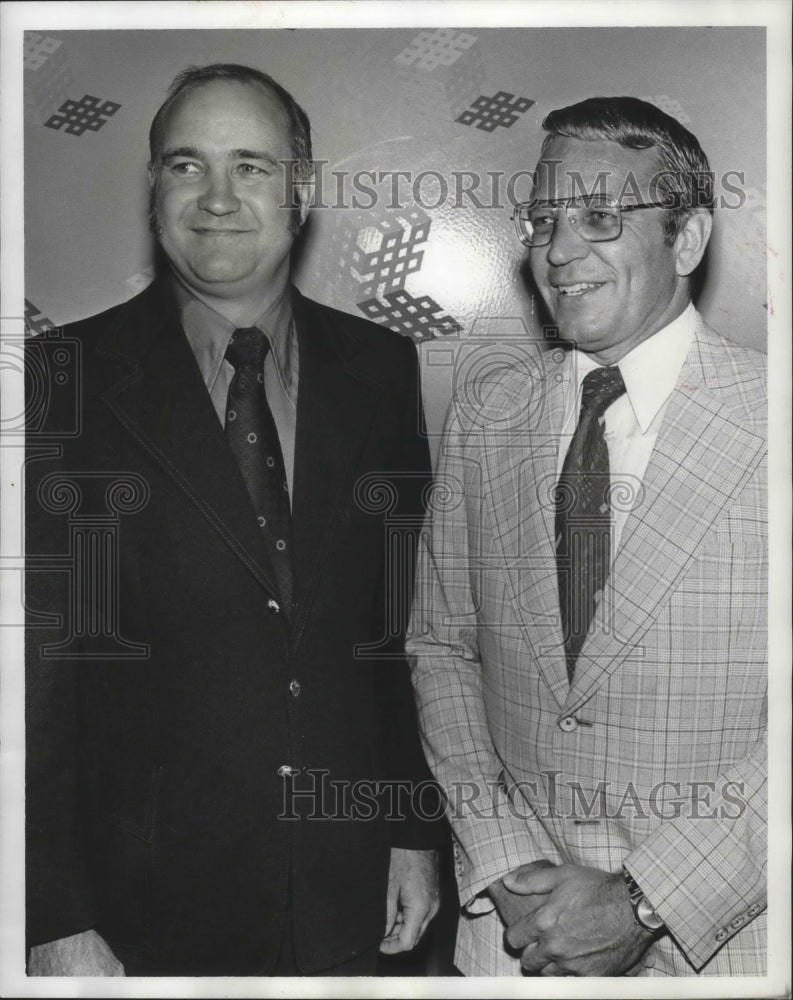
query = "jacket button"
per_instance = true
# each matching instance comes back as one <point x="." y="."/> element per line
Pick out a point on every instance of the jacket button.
<point x="568" y="724"/>
<point x="294" y="687"/>
<point x="285" y="771"/>
<point x="721" y="935"/>
<point x="737" y="922"/>
<point x="274" y="606"/>
<point x="754" y="909"/>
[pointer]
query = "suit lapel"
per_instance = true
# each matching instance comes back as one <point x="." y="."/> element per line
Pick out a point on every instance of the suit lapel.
<point x="335" y="410"/>
<point x="162" y="400"/>
<point x="520" y="449"/>
<point x="702" y="458"/>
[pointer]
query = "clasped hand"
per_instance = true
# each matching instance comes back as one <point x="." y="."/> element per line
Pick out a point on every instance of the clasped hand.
<point x="575" y="921"/>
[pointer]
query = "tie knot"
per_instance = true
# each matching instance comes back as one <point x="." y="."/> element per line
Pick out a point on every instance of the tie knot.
<point x="600" y="388"/>
<point x="248" y="347"/>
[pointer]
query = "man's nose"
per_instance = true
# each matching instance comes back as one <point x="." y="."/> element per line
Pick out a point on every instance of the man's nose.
<point x="218" y="196"/>
<point x="566" y="242"/>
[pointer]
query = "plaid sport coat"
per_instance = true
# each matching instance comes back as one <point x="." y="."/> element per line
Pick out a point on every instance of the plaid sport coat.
<point x="656" y="757"/>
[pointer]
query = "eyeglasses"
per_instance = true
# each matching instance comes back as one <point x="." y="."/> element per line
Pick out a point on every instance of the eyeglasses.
<point x="595" y="219"/>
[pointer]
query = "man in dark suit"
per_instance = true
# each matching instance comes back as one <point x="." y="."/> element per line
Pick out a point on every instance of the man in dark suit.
<point x="216" y="733"/>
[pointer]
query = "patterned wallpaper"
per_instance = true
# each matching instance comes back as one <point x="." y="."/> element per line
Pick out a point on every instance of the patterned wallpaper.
<point x="424" y="137"/>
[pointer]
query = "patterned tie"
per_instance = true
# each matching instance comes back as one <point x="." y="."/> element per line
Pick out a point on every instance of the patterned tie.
<point x="583" y="513"/>
<point x="253" y="437"/>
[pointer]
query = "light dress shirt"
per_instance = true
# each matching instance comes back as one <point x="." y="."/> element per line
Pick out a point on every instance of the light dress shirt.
<point x="209" y="333"/>
<point x="650" y="372"/>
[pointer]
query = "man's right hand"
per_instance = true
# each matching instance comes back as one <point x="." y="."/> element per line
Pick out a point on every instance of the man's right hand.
<point x="85" y="954"/>
<point x="510" y="906"/>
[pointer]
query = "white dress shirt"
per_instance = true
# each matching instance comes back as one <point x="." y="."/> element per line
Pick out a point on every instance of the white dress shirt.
<point x="650" y="372"/>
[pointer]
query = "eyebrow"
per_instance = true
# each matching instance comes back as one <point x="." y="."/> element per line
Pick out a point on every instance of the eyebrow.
<point x="556" y="202"/>
<point x="193" y="152"/>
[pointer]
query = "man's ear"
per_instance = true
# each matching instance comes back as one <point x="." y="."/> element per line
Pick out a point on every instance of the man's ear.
<point x="154" y="225"/>
<point x="691" y="242"/>
<point x="304" y="194"/>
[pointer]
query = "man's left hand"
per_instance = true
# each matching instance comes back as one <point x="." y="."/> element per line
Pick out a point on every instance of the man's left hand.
<point x="413" y="898"/>
<point x="585" y="926"/>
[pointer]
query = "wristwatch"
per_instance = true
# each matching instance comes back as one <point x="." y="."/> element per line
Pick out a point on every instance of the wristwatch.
<point x="643" y="913"/>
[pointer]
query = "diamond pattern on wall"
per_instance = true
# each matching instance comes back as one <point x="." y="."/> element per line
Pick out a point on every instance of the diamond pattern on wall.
<point x="416" y="317"/>
<point x="430" y="49"/>
<point x="47" y="75"/>
<point x="85" y="115"/>
<point x="139" y="281"/>
<point x="379" y="253"/>
<point x="441" y="71"/>
<point x="499" y="111"/>
<point x="35" y="321"/>
<point x="36" y="49"/>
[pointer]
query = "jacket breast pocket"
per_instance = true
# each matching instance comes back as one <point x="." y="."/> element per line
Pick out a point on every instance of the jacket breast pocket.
<point x="729" y="562"/>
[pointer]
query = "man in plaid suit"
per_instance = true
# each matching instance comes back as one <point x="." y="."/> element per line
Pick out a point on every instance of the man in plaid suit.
<point x="607" y="797"/>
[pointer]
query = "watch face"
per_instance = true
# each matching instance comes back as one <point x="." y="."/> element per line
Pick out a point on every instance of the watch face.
<point x="647" y="916"/>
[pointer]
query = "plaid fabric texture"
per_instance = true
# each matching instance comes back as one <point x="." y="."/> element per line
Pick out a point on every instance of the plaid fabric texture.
<point x="656" y="756"/>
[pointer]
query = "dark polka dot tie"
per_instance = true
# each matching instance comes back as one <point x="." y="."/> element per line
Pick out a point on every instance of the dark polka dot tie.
<point x="253" y="437"/>
<point x="583" y="513"/>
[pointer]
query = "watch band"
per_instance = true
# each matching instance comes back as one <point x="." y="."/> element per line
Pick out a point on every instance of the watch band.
<point x="643" y="913"/>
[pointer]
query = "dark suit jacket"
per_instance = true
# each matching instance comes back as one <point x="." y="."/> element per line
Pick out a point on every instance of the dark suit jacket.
<point x="158" y="730"/>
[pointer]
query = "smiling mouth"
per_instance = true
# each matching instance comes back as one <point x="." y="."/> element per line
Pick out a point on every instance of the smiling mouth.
<point x="578" y="288"/>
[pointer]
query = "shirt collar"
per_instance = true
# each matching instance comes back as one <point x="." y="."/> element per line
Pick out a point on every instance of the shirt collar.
<point x="209" y="333"/>
<point x="650" y="370"/>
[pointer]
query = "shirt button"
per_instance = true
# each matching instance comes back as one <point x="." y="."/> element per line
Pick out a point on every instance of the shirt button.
<point x="568" y="724"/>
<point x="294" y="687"/>
<point x="285" y="771"/>
<point x="274" y="606"/>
